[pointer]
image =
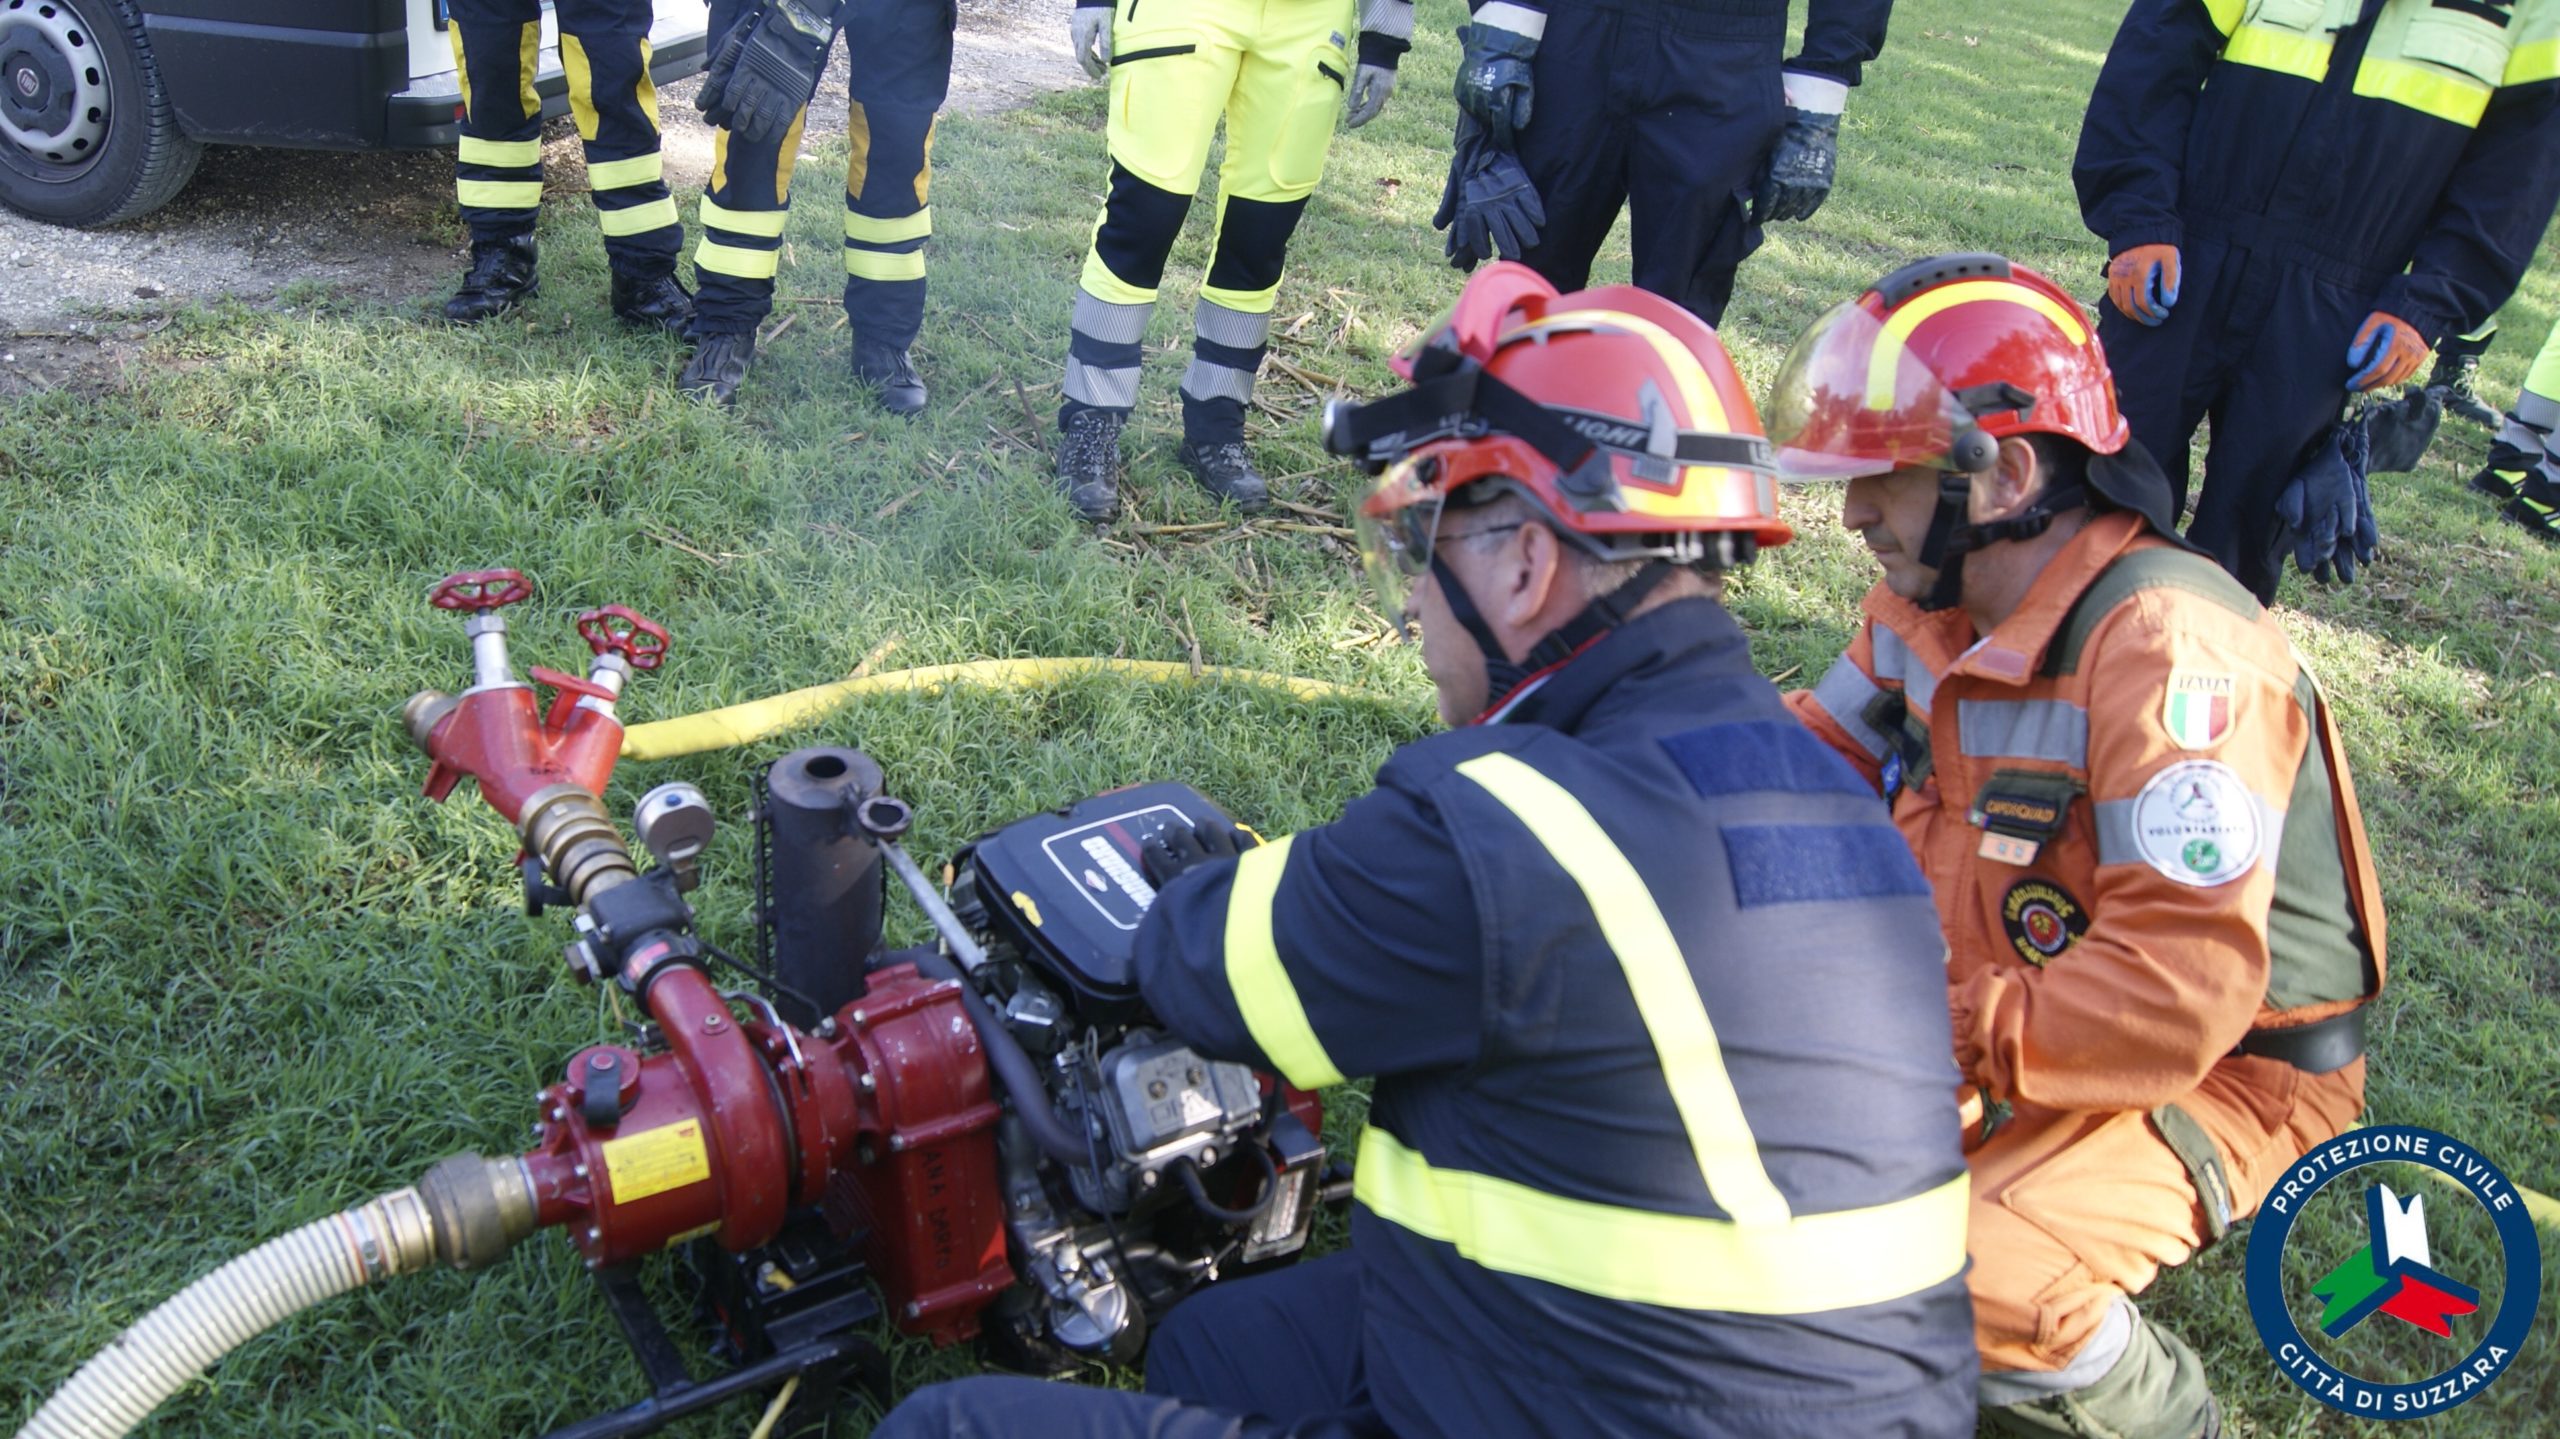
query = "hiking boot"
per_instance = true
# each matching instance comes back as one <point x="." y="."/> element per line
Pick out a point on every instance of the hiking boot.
<point x="656" y="302"/>
<point x="2456" y="377"/>
<point x="2537" y="508"/>
<point x="501" y="277"/>
<point x="1227" y="471"/>
<point x="718" y="366"/>
<point x="1089" y="463"/>
<point x="890" y="377"/>
<point x="2500" y="478"/>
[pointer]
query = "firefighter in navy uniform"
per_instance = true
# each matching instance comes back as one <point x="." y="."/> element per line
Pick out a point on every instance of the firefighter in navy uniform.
<point x="767" y="57"/>
<point x="2301" y="198"/>
<point x="1682" y="111"/>
<point x="1663" y="1137"/>
<point x="604" y="48"/>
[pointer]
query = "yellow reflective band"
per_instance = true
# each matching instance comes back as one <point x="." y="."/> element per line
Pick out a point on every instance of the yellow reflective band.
<point x="2532" y="61"/>
<point x="528" y="61"/>
<point x="620" y="174"/>
<point x="504" y="153"/>
<point x="1243" y="302"/>
<point x="1657" y="973"/>
<point x="647" y="90"/>
<point x="1809" y="1264"/>
<point x="1260" y="982"/>
<point x="924" y="172"/>
<point x="763" y="224"/>
<point x="2225" y="13"/>
<point x="857" y="155"/>
<point x="498" y="194"/>
<point x="461" y="64"/>
<point x="877" y="265"/>
<point x="582" y="84"/>
<point x="648" y="215"/>
<point x="2263" y="47"/>
<point x="871" y="231"/>
<point x="2424" y="89"/>
<point x="789" y="159"/>
<point x="1887" y="355"/>
<point x="719" y="161"/>
<point x="722" y="259"/>
<point x="1100" y="283"/>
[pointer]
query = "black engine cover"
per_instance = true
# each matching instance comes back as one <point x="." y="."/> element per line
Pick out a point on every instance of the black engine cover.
<point x="1067" y="887"/>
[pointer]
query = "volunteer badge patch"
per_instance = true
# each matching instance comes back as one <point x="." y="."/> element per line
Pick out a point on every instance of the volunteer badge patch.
<point x="2042" y="919"/>
<point x="2197" y="713"/>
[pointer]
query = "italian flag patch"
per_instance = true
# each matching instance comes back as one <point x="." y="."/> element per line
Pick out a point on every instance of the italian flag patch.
<point x="2197" y="713"/>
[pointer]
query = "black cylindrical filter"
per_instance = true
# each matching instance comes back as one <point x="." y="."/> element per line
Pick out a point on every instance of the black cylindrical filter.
<point x="827" y="880"/>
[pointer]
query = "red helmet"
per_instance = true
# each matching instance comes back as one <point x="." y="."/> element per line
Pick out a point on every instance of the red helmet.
<point x="1934" y="365"/>
<point x="1613" y="410"/>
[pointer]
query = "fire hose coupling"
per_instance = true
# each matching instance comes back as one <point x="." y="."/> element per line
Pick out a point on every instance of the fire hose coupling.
<point x="566" y="827"/>
<point x="478" y="1208"/>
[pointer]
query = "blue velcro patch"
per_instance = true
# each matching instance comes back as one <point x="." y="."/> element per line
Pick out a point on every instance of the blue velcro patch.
<point x="1801" y="863"/>
<point x="1759" y="756"/>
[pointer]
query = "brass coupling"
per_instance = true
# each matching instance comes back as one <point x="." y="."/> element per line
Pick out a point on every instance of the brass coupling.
<point x="390" y="1234"/>
<point x="478" y="1208"/>
<point x="425" y="710"/>
<point x="567" y="828"/>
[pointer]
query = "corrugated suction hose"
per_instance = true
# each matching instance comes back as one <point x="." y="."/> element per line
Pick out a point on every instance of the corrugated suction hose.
<point x="467" y="1211"/>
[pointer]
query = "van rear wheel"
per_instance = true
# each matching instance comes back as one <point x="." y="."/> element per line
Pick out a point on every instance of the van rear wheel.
<point x="87" y="133"/>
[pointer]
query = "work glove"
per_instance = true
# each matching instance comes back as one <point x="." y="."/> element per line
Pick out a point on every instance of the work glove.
<point x="1178" y="845"/>
<point x="2399" y="431"/>
<point x="1089" y="34"/>
<point x="2327" y="510"/>
<point x="2143" y="282"/>
<point x="2387" y="351"/>
<point x="769" y="68"/>
<point x="1489" y="204"/>
<point x="1494" y="84"/>
<point x="1386" y="32"/>
<point x="1796" y="178"/>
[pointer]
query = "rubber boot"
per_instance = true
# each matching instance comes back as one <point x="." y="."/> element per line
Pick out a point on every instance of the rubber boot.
<point x="501" y="277"/>
<point x="2456" y="377"/>
<point x="657" y="302"/>
<point x="2157" y="1390"/>
<point x="1089" y="463"/>
<point x="2537" y="505"/>
<point x="718" y="367"/>
<point x="2505" y="471"/>
<point x="890" y="376"/>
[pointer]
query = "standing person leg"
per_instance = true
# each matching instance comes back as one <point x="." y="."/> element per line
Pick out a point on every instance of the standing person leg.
<point x="2167" y="374"/>
<point x="743" y="216"/>
<point x="2277" y="406"/>
<point x="498" y="168"/>
<point x="1715" y="109"/>
<point x="1171" y="74"/>
<point x="888" y="185"/>
<point x="1576" y="148"/>
<point x="1288" y="93"/>
<point x="604" y="49"/>
<point x="2523" y="456"/>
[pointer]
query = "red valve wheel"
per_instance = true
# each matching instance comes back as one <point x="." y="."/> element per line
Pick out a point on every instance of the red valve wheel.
<point x="480" y="590"/>
<point x="626" y="631"/>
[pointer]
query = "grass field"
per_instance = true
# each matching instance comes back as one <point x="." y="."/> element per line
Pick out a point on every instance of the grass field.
<point x="254" y="978"/>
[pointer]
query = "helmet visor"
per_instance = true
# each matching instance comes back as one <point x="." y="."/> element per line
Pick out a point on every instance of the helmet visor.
<point x="1852" y="399"/>
<point x="1396" y="524"/>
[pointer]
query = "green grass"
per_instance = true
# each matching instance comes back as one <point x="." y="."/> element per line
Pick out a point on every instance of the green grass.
<point x="254" y="978"/>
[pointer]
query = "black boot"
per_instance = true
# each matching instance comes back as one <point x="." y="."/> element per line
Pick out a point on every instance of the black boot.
<point x="890" y="377"/>
<point x="2537" y="507"/>
<point x="1224" y="469"/>
<point x="1089" y="463"/>
<point x="2456" y="377"/>
<point x="718" y="366"/>
<point x="2505" y="471"/>
<point x="653" y="302"/>
<point x="501" y="277"/>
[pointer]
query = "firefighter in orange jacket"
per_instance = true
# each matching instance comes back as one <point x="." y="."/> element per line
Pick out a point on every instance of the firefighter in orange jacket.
<point x="2128" y="795"/>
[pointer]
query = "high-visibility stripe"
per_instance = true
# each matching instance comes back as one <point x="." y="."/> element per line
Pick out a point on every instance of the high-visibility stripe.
<point x="1807" y="1264"/>
<point x="1666" y="995"/>
<point x="2226" y="13"/>
<point x="2532" y="61"/>
<point x="1205" y="381"/>
<point x="2424" y="89"/>
<point x="582" y="84"/>
<point x="505" y="153"/>
<point x="2263" y="47"/>
<point x="498" y="194"/>
<point x="2056" y="730"/>
<point x="648" y="215"/>
<point x="1110" y="323"/>
<point x="763" y="224"/>
<point x="872" y="230"/>
<point x="1895" y="661"/>
<point x="722" y="259"/>
<point x="619" y="174"/>
<point x="1250" y="302"/>
<point x="647" y="89"/>
<point x="461" y="64"/>
<point x="1098" y="281"/>
<point x="1260" y="981"/>
<point x="1886" y="356"/>
<point x="528" y="62"/>
<point x="879" y="265"/>
<point x="1844" y="694"/>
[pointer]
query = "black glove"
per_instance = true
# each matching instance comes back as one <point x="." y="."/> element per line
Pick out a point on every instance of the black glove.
<point x="1178" y="845"/>
<point x="1797" y="178"/>
<point x="2400" y="430"/>
<point x="1493" y="80"/>
<point x="2327" y="508"/>
<point x="1488" y="203"/>
<point x="768" y="69"/>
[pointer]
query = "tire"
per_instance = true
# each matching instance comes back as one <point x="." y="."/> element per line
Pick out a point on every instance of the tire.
<point x="105" y="144"/>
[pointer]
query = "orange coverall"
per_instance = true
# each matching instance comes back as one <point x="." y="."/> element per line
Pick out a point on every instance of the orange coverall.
<point x="2138" y="859"/>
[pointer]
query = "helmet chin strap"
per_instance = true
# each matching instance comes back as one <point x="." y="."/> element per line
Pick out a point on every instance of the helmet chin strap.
<point x="1502" y="674"/>
<point x="1951" y="538"/>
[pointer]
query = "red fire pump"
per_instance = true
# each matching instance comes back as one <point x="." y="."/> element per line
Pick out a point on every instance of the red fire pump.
<point x="993" y="1129"/>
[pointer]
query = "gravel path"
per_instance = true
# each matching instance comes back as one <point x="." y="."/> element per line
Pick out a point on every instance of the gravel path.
<point x="74" y="305"/>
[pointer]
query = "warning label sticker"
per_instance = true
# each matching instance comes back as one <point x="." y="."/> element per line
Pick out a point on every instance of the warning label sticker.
<point x="656" y="1160"/>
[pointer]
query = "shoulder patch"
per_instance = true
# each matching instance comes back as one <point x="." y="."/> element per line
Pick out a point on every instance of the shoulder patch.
<point x="1754" y="756"/>
<point x="2196" y="823"/>
<point x="2042" y="919"/>
<point x="2199" y="707"/>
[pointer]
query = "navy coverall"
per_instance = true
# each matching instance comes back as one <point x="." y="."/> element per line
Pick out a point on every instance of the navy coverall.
<point x="1669" y="108"/>
<point x="2313" y="161"/>
<point x="1663" y="1136"/>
